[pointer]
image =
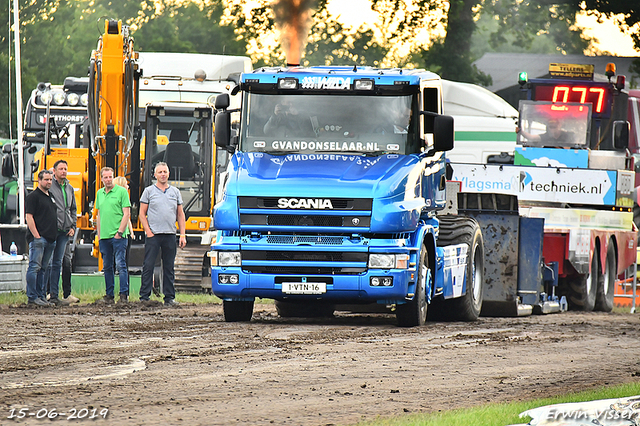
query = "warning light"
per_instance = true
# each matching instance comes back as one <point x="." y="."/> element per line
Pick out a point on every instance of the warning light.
<point x="522" y="78"/>
<point x="610" y="70"/>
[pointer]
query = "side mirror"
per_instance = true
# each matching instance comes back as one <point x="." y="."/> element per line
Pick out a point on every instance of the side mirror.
<point x="223" y="127"/>
<point x="443" y="133"/>
<point x="222" y="101"/>
<point x="620" y="134"/>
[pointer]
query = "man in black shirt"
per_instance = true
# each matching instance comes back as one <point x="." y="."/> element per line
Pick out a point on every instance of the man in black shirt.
<point x="41" y="210"/>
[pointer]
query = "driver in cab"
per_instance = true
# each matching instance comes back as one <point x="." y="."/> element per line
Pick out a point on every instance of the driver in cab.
<point x="286" y="120"/>
<point x="554" y="136"/>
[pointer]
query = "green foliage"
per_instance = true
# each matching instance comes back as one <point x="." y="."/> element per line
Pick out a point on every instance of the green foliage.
<point x="331" y="43"/>
<point x="524" y="26"/>
<point x="611" y="8"/>
<point x="59" y="35"/>
<point x="515" y="26"/>
<point x="188" y="27"/>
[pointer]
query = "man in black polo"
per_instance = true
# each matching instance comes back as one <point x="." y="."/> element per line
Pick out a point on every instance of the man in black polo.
<point x="41" y="212"/>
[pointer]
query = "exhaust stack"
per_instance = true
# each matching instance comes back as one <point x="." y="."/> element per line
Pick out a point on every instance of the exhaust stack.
<point x="293" y="21"/>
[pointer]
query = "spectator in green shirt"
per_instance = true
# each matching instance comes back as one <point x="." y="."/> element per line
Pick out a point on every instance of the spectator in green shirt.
<point x="114" y="211"/>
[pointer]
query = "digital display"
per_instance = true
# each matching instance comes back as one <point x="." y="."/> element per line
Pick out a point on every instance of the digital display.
<point x="595" y="93"/>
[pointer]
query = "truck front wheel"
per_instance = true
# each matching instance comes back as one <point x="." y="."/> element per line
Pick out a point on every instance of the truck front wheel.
<point x="607" y="281"/>
<point x="237" y="311"/>
<point x="414" y="312"/>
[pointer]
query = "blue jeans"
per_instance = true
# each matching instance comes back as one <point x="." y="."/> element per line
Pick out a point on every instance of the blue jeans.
<point x="115" y="248"/>
<point x="40" y="251"/>
<point x="166" y="243"/>
<point x="53" y="271"/>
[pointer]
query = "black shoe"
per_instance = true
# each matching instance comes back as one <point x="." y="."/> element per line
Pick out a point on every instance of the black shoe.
<point x="39" y="302"/>
<point x="106" y="300"/>
<point x="171" y="303"/>
<point x="58" y="302"/>
<point x="124" y="298"/>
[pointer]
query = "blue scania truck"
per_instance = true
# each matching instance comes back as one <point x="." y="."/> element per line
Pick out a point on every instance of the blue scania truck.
<point x="334" y="196"/>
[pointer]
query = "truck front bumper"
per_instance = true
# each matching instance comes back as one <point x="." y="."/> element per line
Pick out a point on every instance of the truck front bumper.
<point x="393" y="286"/>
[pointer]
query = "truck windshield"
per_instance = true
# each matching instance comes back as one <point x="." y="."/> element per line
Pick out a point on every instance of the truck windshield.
<point x="308" y="124"/>
<point x="554" y="125"/>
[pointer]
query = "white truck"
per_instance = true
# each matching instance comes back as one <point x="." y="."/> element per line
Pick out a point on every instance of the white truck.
<point x="485" y="124"/>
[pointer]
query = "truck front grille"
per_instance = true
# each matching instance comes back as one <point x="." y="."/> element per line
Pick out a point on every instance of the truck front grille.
<point x="363" y="204"/>
<point x="305" y="256"/>
<point x="304" y="239"/>
<point x="305" y="220"/>
<point x="304" y="262"/>
<point x="303" y="270"/>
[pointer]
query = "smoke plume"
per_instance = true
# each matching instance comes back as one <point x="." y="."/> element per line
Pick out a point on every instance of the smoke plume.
<point x="293" y="21"/>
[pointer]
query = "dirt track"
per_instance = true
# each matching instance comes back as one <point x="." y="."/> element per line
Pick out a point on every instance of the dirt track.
<point x="187" y="366"/>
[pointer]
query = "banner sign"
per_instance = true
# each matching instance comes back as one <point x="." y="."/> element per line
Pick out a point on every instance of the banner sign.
<point x="555" y="185"/>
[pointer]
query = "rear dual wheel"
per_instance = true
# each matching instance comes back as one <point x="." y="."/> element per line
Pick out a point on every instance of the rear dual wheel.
<point x="464" y="230"/>
<point x="607" y="281"/>
<point x="582" y="288"/>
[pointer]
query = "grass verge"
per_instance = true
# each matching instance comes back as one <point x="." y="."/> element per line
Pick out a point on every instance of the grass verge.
<point x="504" y="413"/>
<point x="90" y="296"/>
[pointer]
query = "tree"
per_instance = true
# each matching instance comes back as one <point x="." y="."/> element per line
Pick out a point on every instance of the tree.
<point x="187" y="27"/>
<point x="59" y="35"/>
<point x="522" y="20"/>
<point x="329" y="42"/>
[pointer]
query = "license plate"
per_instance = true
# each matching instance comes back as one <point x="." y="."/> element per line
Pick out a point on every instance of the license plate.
<point x="304" y="288"/>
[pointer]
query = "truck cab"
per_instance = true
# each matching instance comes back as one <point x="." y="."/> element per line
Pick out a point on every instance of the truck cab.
<point x="332" y="192"/>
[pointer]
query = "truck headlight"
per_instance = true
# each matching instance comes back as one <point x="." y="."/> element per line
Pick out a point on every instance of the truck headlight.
<point x="288" y="83"/>
<point x="229" y="258"/>
<point x="73" y="99"/>
<point x="381" y="261"/>
<point x="363" y="84"/>
<point x="388" y="261"/>
<point x="59" y="97"/>
<point x="46" y="97"/>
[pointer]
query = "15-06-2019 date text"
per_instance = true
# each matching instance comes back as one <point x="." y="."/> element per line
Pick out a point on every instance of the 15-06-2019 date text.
<point x="69" y="414"/>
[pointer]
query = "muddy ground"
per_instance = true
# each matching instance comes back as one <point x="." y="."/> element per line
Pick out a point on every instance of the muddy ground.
<point x="154" y="365"/>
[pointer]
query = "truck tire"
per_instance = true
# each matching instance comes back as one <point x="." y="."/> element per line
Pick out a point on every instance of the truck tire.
<point x="237" y="311"/>
<point x="414" y="312"/>
<point x="304" y="310"/>
<point x="582" y="288"/>
<point x="607" y="281"/>
<point x="465" y="230"/>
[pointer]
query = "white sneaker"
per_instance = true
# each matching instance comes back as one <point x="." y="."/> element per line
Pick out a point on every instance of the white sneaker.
<point x="72" y="299"/>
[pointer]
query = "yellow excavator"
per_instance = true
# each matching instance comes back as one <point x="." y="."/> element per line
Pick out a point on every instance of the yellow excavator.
<point x="176" y="131"/>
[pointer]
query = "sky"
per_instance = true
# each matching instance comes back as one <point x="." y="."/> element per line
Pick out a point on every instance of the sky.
<point x="611" y="39"/>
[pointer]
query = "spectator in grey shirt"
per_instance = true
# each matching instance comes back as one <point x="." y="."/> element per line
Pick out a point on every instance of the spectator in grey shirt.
<point x="160" y="208"/>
